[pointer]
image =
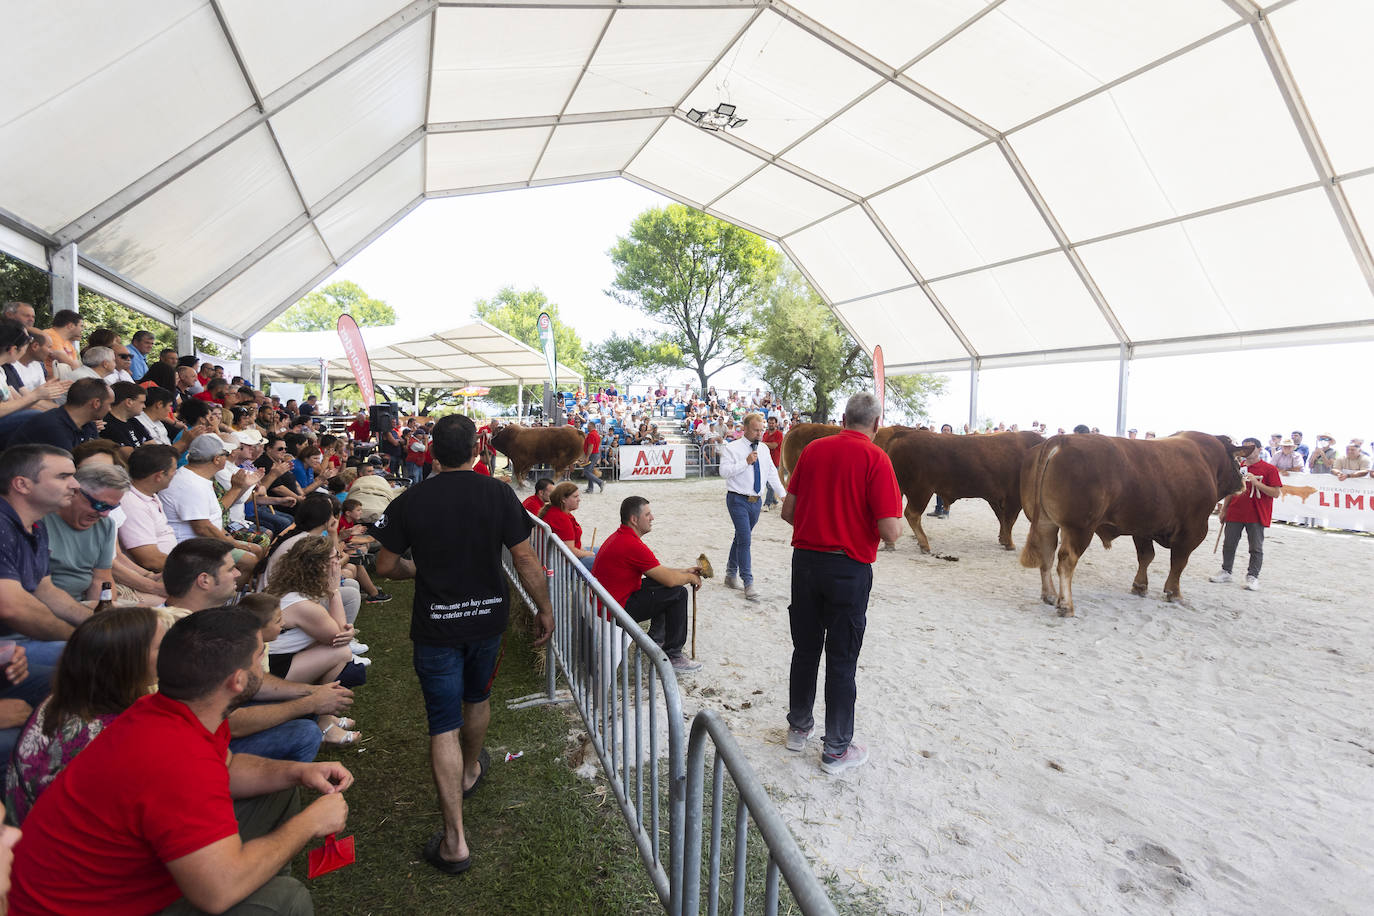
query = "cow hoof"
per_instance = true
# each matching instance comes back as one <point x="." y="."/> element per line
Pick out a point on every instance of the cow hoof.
<point x="925" y="550"/>
<point x="1171" y="596"/>
<point x="1141" y="590"/>
<point x="1066" y="612"/>
<point x="1051" y="600"/>
<point x="889" y="546"/>
<point x="1008" y="546"/>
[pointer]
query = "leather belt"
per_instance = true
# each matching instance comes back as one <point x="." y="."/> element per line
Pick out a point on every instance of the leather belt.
<point x="752" y="499"/>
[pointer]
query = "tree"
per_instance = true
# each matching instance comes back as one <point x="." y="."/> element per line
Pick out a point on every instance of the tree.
<point x="808" y="358"/>
<point x="320" y="310"/>
<point x="517" y="313"/>
<point x="628" y="359"/>
<point x="697" y="275"/>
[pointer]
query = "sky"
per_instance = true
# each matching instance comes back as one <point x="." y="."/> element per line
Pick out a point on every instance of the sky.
<point x="449" y="252"/>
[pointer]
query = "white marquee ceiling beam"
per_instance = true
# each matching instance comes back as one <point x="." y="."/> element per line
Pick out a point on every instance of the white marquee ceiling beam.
<point x="589" y="117"/>
<point x="581" y="74"/>
<point x="520" y="185"/>
<point x="242" y="123"/>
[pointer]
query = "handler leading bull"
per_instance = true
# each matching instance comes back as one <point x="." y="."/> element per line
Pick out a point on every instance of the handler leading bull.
<point x="1159" y="491"/>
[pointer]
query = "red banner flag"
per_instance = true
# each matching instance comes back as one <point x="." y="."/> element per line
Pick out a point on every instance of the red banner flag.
<point x="879" y="382"/>
<point x="356" y="351"/>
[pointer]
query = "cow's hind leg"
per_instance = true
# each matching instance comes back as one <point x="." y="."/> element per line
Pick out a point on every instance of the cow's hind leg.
<point x="1145" y="553"/>
<point x="1072" y="544"/>
<point x="1181" y="548"/>
<point x="915" y="506"/>
<point x="1006" y="518"/>
<point x="1044" y="535"/>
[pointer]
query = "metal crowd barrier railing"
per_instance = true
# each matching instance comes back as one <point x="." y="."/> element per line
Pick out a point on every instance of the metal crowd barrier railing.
<point x="627" y="693"/>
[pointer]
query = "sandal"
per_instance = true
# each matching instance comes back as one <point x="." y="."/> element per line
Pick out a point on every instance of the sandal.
<point x="483" y="761"/>
<point x="349" y="737"/>
<point x="446" y="866"/>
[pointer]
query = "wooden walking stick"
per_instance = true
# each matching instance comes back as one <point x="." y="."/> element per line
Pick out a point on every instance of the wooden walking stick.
<point x="592" y="546"/>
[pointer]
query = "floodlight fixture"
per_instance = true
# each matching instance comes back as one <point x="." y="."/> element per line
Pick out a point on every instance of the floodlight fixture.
<point x="722" y="117"/>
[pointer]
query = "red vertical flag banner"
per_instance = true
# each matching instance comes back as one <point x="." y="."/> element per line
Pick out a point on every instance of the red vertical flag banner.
<point x="879" y="382"/>
<point x="356" y="351"/>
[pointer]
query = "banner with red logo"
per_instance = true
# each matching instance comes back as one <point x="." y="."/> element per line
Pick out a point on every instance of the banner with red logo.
<point x="1326" y="501"/>
<point x="879" y="382"/>
<point x="356" y="351"/>
<point x="653" y="462"/>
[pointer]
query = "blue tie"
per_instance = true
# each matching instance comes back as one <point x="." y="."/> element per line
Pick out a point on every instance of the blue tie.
<point x="758" y="473"/>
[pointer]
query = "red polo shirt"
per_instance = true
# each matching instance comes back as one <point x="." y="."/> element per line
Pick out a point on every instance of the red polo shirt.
<point x="591" y="445"/>
<point x="843" y="485"/>
<point x="360" y="430"/>
<point x="1250" y="505"/>
<point x="152" y="787"/>
<point x="565" y="527"/>
<point x="533" y="503"/>
<point x="621" y="563"/>
<point x="773" y="439"/>
<point x="481" y="467"/>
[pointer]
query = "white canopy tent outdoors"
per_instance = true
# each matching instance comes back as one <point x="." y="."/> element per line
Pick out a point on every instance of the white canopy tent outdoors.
<point x="970" y="183"/>
<point x="475" y="354"/>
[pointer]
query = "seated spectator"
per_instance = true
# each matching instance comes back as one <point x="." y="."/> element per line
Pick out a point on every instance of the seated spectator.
<point x="17" y="405"/>
<point x="146" y="535"/>
<point x="1353" y="463"/>
<point x="123" y="361"/>
<point x="643" y="586"/>
<point x="34" y="366"/>
<point x="81" y="535"/>
<point x="1323" y="458"/>
<point x="170" y="833"/>
<point x="102" y="451"/>
<point x="110" y="661"/>
<point x="558" y="515"/>
<point x="309" y="470"/>
<point x="121" y="426"/>
<point x="1299" y="447"/>
<point x="73" y="423"/>
<point x="360" y="430"/>
<point x="372" y="491"/>
<point x="314" y="645"/>
<point x="156" y="415"/>
<point x="232" y="497"/>
<point x="35" y="480"/>
<point x="23" y="687"/>
<point x="97" y="363"/>
<point x="190" y="503"/>
<point x="162" y="374"/>
<point x="314" y="519"/>
<point x="1288" y="461"/>
<point x="66" y="330"/>
<point x="140" y="345"/>
<point x="536" y="502"/>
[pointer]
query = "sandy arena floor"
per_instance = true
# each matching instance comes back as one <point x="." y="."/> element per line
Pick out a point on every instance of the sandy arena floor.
<point x="1215" y="756"/>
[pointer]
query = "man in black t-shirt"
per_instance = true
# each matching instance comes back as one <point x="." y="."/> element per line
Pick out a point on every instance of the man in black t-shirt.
<point x="120" y="426"/>
<point x="455" y="524"/>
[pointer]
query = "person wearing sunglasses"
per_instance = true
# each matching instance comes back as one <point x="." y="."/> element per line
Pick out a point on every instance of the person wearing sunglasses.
<point x="81" y="534"/>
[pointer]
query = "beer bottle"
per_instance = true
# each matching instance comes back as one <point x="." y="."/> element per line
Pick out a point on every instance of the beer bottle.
<point x="106" y="598"/>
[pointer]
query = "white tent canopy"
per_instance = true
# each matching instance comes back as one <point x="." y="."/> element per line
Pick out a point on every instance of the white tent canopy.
<point x="474" y="354"/>
<point x="967" y="182"/>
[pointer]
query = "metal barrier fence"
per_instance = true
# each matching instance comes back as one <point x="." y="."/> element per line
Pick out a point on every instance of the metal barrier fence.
<point x="627" y="694"/>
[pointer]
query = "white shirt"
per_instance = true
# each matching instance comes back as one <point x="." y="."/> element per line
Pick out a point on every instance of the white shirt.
<point x="225" y="476"/>
<point x="119" y="375"/>
<point x="190" y="498"/>
<point x="739" y="474"/>
<point x="31" y="375"/>
<point x="154" y="428"/>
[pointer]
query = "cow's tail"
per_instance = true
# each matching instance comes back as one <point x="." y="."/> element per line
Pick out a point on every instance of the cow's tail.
<point x="1032" y="480"/>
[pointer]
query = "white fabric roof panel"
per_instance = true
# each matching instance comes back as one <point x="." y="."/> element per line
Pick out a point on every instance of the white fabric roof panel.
<point x="94" y="100"/>
<point x="1049" y="168"/>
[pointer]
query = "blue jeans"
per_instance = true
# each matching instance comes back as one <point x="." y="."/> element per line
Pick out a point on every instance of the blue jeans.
<point x="42" y="652"/>
<point x="33" y="691"/>
<point x="829" y="613"/>
<point x="745" y="515"/>
<point x="268" y="518"/>
<point x="453" y="675"/>
<point x="297" y="740"/>
<point x="770" y="498"/>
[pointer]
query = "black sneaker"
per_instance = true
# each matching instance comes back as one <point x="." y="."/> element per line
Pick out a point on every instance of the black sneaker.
<point x="379" y="598"/>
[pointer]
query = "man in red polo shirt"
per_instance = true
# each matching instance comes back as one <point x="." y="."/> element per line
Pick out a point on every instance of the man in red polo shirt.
<point x="772" y="437"/>
<point x="644" y="587"/>
<point x="157" y="812"/>
<point x="1251" y="510"/>
<point x="591" y="447"/>
<point x="360" y="430"/>
<point x="540" y="497"/>
<point x="841" y="498"/>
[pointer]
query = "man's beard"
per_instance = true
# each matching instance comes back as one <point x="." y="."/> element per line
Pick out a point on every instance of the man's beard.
<point x="250" y="690"/>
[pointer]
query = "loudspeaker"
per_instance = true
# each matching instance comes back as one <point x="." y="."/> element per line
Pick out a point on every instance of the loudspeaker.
<point x="385" y="415"/>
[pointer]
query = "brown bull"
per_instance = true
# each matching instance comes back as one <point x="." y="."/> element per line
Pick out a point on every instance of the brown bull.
<point x="1158" y="491"/>
<point x="960" y="467"/>
<point x="559" y="447"/>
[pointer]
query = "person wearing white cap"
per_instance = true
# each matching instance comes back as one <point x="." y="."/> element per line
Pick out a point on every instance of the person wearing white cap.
<point x="190" y="504"/>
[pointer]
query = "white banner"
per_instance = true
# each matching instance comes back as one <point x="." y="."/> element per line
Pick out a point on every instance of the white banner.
<point x="653" y="462"/>
<point x="1332" y="503"/>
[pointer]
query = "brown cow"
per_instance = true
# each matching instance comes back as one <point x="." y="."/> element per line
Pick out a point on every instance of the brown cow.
<point x="960" y="467"/>
<point x="559" y="447"/>
<point x="1156" y="490"/>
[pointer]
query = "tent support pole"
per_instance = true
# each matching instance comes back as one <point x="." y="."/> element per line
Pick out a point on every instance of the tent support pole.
<point x="186" y="341"/>
<point x="1123" y="378"/>
<point x="246" y="360"/>
<point x="415" y="401"/>
<point x="519" y="400"/>
<point x="62" y="264"/>
<point x="324" y="383"/>
<point x="975" y="369"/>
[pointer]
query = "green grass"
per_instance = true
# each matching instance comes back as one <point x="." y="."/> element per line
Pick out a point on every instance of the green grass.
<point x="543" y="840"/>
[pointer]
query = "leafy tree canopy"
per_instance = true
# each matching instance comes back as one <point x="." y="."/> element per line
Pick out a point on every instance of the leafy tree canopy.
<point x="517" y="313"/>
<point x="320" y="310"/>
<point x="697" y="275"/>
<point x="626" y="359"/>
